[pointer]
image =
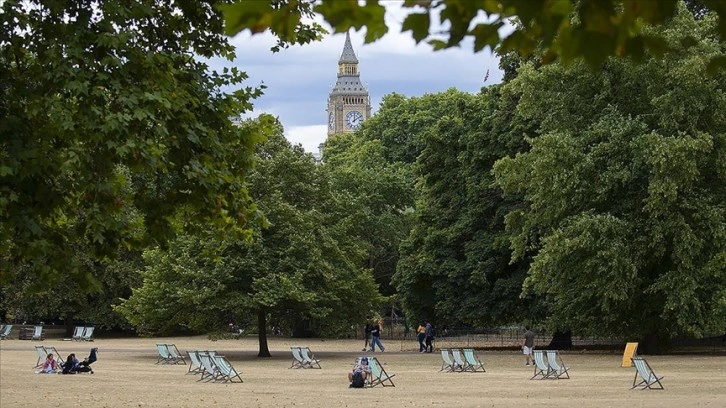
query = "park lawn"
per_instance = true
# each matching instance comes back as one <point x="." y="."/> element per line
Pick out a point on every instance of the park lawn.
<point x="126" y="375"/>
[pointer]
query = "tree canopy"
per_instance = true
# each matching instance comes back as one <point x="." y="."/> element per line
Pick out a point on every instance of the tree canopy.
<point x="564" y="30"/>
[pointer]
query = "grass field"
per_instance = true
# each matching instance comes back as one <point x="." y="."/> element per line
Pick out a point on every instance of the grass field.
<point x="126" y="375"/>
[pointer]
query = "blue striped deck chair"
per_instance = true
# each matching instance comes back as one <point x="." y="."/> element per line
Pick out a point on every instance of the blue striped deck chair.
<point x="559" y="370"/>
<point x="38" y="333"/>
<point x="227" y="373"/>
<point x="447" y="364"/>
<point x="310" y="360"/>
<point x="541" y="368"/>
<point x="649" y="379"/>
<point x="87" y="333"/>
<point x="472" y="361"/>
<point x="459" y="360"/>
<point x="175" y="354"/>
<point x="195" y="365"/>
<point x="379" y="376"/>
<point x="164" y="356"/>
<point x="210" y="371"/>
<point x="6" y="332"/>
<point x="78" y="333"/>
<point x="42" y="355"/>
<point x="297" y="358"/>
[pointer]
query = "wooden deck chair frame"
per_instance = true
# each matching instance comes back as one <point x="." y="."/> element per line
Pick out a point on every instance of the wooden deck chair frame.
<point x="175" y="354"/>
<point x="38" y="333"/>
<point x="297" y="359"/>
<point x="42" y="355"/>
<point x="559" y="370"/>
<point x="6" y="332"/>
<point x="210" y="371"/>
<point x="164" y="356"/>
<point x="226" y="370"/>
<point x="447" y="363"/>
<point x="309" y="357"/>
<point x="648" y="376"/>
<point x="459" y="360"/>
<point x="472" y="361"/>
<point x="379" y="376"/>
<point x="541" y="368"/>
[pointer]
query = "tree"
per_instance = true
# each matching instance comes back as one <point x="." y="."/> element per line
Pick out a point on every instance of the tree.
<point x="591" y="30"/>
<point x="304" y="265"/>
<point x="94" y="89"/>
<point x="624" y="191"/>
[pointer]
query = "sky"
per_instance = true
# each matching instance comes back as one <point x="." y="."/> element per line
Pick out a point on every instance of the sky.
<point x="299" y="78"/>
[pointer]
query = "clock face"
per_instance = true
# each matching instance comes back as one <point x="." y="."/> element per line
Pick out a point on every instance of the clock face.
<point x="353" y="119"/>
<point x="331" y="120"/>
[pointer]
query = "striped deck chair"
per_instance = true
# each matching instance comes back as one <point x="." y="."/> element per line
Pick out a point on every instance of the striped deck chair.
<point x="541" y="368"/>
<point x="164" y="356"/>
<point x="447" y="364"/>
<point x="559" y="370"/>
<point x="649" y="379"/>
<point x="472" y="361"/>
<point x="379" y="376"/>
<point x="38" y="333"/>
<point x="87" y="333"/>
<point x="78" y="333"/>
<point x="297" y="359"/>
<point x="6" y="332"/>
<point x="175" y="354"/>
<point x="42" y="354"/>
<point x="459" y="360"/>
<point x="51" y="349"/>
<point x="309" y="357"/>
<point x="227" y="372"/>
<point x="195" y="365"/>
<point x="210" y="371"/>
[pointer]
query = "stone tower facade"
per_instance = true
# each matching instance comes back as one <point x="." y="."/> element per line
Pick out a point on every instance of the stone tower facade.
<point x="348" y="103"/>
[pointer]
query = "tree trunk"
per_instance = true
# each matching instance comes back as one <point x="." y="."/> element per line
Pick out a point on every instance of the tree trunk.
<point x="561" y="341"/>
<point x="262" y="333"/>
<point x="68" y="323"/>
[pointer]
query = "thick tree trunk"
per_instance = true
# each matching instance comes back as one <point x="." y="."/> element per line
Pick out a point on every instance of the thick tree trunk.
<point x="68" y="323"/>
<point x="262" y="333"/>
<point x="561" y="341"/>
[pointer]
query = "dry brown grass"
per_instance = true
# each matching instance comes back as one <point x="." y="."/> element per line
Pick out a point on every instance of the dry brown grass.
<point x="126" y="376"/>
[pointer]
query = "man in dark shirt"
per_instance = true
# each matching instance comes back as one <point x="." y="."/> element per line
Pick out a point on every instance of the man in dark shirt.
<point x="528" y="345"/>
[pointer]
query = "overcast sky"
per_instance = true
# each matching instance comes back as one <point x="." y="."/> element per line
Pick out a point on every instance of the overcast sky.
<point x="299" y="78"/>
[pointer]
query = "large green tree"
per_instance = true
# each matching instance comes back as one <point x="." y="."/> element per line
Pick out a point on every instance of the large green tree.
<point x="305" y="265"/>
<point x="625" y="188"/>
<point x="93" y="89"/>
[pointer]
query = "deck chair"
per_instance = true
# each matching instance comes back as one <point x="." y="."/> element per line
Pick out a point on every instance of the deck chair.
<point x="459" y="360"/>
<point x="447" y="363"/>
<point x="649" y="379"/>
<point x="227" y="372"/>
<point x="51" y="349"/>
<point x="559" y="370"/>
<point x="78" y="333"/>
<point x="6" y="332"/>
<point x="195" y="365"/>
<point x="87" y="334"/>
<point x="42" y="354"/>
<point x="309" y="358"/>
<point x="472" y="361"/>
<point x="210" y="371"/>
<point x="541" y="368"/>
<point x="297" y="358"/>
<point x="164" y="356"/>
<point x="38" y="333"/>
<point x="175" y="354"/>
<point x="379" y="376"/>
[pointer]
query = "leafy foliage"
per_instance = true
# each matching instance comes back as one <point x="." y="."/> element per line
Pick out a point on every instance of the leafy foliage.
<point x="565" y="30"/>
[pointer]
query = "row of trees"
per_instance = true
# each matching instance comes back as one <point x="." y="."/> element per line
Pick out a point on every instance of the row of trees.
<point x="588" y="200"/>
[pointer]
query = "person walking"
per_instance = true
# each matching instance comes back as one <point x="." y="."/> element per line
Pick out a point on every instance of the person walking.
<point x="528" y="345"/>
<point x="367" y="335"/>
<point x="429" y="337"/>
<point x="421" y="336"/>
<point x="376" y="337"/>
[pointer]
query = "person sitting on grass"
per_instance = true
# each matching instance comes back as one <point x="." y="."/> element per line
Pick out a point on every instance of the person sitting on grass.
<point x="360" y="372"/>
<point x="50" y="366"/>
<point x="73" y="366"/>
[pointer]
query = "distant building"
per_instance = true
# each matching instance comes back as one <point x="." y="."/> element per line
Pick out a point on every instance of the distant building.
<point x="348" y="103"/>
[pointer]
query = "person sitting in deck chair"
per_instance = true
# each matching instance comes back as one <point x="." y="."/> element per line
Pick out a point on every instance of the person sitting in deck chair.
<point x="360" y="372"/>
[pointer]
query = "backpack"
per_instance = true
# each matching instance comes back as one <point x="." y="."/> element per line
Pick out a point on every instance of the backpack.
<point x="358" y="381"/>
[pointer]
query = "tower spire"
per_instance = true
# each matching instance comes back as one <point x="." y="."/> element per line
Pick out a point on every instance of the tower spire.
<point x="348" y="55"/>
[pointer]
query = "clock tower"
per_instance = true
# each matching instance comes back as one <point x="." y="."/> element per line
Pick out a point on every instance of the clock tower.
<point x="348" y="102"/>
